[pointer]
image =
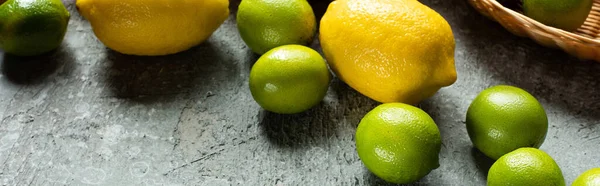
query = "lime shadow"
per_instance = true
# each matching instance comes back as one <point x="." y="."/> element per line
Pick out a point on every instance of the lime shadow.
<point x="35" y="69"/>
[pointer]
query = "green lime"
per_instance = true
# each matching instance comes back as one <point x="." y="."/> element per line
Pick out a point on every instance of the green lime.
<point x="398" y="142"/>
<point x="525" y="166"/>
<point x="289" y="79"/>
<point x="32" y="27"/>
<point x="266" y="24"/>
<point x="588" y="178"/>
<point x="565" y="14"/>
<point x="504" y="118"/>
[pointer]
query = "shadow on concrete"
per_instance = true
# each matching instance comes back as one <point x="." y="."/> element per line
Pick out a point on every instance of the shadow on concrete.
<point x="373" y="180"/>
<point x="349" y="103"/>
<point x="313" y="127"/>
<point x="482" y="162"/>
<point x="342" y="108"/>
<point x="34" y="69"/>
<point x="439" y="115"/>
<point x="253" y="57"/>
<point x="233" y="7"/>
<point x="196" y="71"/>
<point x="319" y="8"/>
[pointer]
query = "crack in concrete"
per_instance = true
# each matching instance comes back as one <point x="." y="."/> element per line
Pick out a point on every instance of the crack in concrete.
<point x="195" y="161"/>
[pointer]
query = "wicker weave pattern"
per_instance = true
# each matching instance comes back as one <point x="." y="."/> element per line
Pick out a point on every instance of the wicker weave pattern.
<point x="583" y="43"/>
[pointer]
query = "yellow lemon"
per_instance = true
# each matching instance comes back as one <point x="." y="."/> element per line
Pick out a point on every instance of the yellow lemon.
<point x="389" y="50"/>
<point x="157" y="27"/>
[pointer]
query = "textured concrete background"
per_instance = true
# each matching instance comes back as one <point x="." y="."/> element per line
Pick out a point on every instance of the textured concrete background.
<point x="85" y="115"/>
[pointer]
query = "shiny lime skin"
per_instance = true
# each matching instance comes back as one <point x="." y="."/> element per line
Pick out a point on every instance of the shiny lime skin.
<point x="398" y="142"/>
<point x="525" y="166"/>
<point x="32" y="27"/>
<point x="266" y="24"/>
<point x="565" y="14"/>
<point x="504" y="118"/>
<point x="289" y="79"/>
<point x="588" y="178"/>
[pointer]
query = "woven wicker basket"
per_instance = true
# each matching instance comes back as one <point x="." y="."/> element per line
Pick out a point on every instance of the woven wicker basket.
<point x="583" y="43"/>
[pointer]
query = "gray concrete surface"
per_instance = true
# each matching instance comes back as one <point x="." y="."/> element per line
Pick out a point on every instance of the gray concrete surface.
<point x="85" y="115"/>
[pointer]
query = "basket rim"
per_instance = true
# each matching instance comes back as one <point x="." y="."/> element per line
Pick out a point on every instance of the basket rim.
<point x="563" y="33"/>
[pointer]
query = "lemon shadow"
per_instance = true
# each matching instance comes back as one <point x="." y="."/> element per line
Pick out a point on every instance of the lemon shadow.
<point x="233" y="7"/>
<point x="183" y="75"/>
<point x="35" y="69"/>
<point x="350" y="104"/>
<point x="319" y="8"/>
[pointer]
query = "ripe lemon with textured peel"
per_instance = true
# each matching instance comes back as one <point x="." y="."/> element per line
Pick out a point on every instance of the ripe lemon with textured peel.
<point x="399" y="143"/>
<point x="389" y="50"/>
<point x="525" y="166"/>
<point x="588" y="178"/>
<point x="504" y="118"/>
<point x="157" y="27"/>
